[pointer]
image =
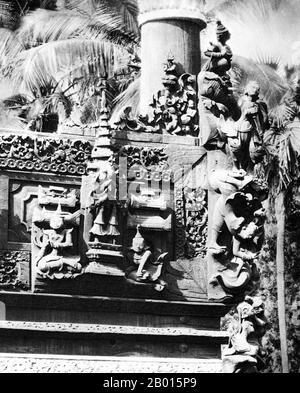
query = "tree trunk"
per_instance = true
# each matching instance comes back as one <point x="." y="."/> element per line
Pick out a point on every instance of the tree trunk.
<point x="280" y="216"/>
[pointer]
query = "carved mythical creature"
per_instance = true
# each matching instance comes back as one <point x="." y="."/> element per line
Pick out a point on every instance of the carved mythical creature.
<point x="240" y="211"/>
<point x="243" y="353"/>
<point x="145" y="268"/>
<point x="174" y="107"/>
<point x="54" y="260"/>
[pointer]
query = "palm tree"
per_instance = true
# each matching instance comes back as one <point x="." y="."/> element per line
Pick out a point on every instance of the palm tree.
<point x="283" y="144"/>
<point x="51" y="52"/>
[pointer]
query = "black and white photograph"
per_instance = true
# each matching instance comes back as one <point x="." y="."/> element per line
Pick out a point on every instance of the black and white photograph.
<point x="149" y="189"/>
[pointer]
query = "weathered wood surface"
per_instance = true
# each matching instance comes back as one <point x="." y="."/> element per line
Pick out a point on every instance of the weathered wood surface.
<point x="28" y="363"/>
<point x="83" y="339"/>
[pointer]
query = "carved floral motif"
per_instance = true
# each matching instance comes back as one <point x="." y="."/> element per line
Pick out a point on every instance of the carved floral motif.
<point x="196" y="222"/>
<point x="44" y="155"/>
<point x="12" y="264"/>
<point x="174" y="108"/>
<point x="148" y="158"/>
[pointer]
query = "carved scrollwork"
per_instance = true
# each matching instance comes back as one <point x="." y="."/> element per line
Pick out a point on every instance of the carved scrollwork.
<point x="196" y="222"/>
<point x="44" y="155"/>
<point x="145" y="158"/>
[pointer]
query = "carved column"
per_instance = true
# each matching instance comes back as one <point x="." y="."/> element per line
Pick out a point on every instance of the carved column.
<point x="168" y="27"/>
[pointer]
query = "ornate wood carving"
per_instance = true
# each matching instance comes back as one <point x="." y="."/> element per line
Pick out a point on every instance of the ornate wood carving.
<point x="14" y="270"/>
<point x="25" y="153"/>
<point x="23" y="199"/>
<point x="144" y="158"/>
<point x="174" y="109"/>
<point x="243" y="353"/>
<point x="53" y="253"/>
<point x="196" y="222"/>
<point x="145" y="267"/>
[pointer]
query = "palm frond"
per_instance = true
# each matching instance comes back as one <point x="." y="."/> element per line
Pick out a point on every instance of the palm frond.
<point x="117" y="19"/>
<point x="129" y="98"/>
<point x="10" y="119"/>
<point x="51" y="63"/>
<point x="273" y="87"/>
<point x="10" y="47"/>
<point x="288" y="158"/>
<point x="9" y="17"/>
<point x="41" y="26"/>
<point x="263" y="29"/>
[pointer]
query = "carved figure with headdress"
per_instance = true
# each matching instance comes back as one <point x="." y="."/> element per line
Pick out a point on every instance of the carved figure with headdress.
<point x="239" y="212"/>
<point x="243" y="353"/>
<point x="54" y="260"/>
<point x="145" y="268"/>
<point x="245" y="137"/>
<point x="101" y="201"/>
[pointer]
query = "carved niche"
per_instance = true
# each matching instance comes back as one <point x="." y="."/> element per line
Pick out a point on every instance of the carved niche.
<point x="149" y="217"/>
<point x="102" y="219"/>
<point x="55" y="253"/>
<point x="23" y="200"/>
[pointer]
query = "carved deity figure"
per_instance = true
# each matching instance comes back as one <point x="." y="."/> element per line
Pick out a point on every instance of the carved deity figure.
<point x="105" y="222"/>
<point x="53" y="259"/>
<point x="220" y="54"/>
<point x="215" y="91"/>
<point x="243" y="353"/>
<point x="145" y="268"/>
<point x="240" y="211"/>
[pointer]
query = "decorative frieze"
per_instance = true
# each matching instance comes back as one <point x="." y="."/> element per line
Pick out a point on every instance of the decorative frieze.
<point x="57" y="156"/>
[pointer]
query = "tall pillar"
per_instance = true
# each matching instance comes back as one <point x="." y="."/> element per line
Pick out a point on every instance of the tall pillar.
<point x="168" y="27"/>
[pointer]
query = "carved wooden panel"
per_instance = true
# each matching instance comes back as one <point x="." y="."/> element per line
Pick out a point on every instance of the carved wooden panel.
<point x="14" y="270"/>
<point x="22" y="202"/>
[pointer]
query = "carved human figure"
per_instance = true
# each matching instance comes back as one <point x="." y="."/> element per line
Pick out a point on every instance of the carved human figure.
<point x="105" y="222"/>
<point x="245" y="137"/>
<point x="53" y="256"/>
<point x="243" y="353"/>
<point x="220" y="54"/>
<point x="215" y="91"/>
<point x="145" y="268"/>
